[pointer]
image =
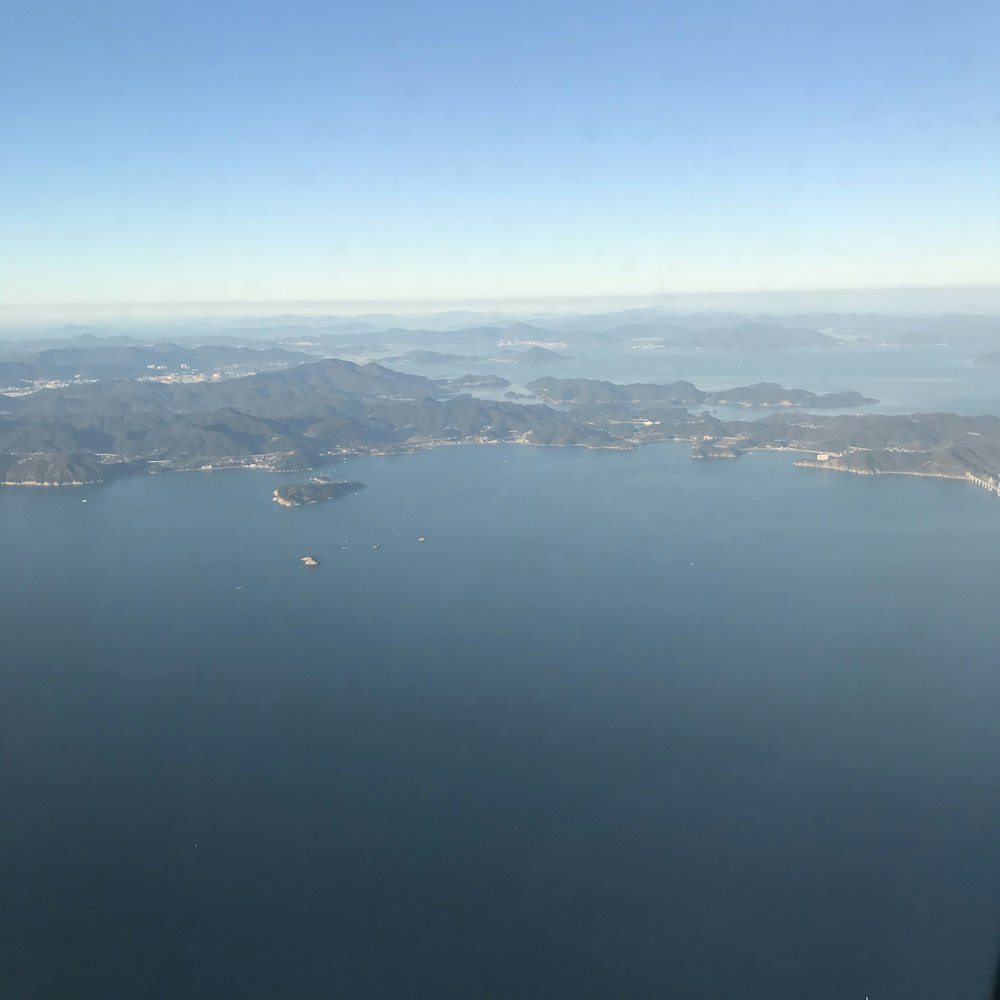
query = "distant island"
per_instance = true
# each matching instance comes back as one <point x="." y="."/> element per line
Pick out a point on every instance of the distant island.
<point x="297" y="494"/>
<point x="431" y="358"/>
<point x="480" y="382"/>
<point x="532" y="356"/>
<point x="681" y="393"/>
<point x="748" y="337"/>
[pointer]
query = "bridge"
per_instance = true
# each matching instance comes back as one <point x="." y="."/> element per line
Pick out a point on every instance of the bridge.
<point x="991" y="484"/>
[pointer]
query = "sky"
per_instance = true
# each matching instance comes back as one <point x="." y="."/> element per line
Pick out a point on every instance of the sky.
<point x="215" y="151"/>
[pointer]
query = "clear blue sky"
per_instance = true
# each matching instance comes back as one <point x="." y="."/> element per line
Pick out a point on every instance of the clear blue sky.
<point x="185" y="151"/>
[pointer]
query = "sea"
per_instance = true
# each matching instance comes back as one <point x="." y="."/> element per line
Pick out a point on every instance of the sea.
<point x="542" y="723"/>
<point x="900" y="378"/>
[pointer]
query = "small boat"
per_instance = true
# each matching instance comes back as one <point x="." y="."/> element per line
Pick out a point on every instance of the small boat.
<point x="421" y="539"/>
<point x="309" y="561"/>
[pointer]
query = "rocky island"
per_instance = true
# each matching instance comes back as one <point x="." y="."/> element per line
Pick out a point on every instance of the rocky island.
<point x="297" y="494"/>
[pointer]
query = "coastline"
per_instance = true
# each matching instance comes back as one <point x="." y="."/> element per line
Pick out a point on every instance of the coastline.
<point x="805" y="464"/>
<point x="415" y="447"/>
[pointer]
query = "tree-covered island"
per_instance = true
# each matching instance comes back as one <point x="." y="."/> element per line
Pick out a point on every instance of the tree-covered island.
<point x="297" y="494"/>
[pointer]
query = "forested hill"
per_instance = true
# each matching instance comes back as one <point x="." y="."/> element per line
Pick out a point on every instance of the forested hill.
<point x="293" y="418"/>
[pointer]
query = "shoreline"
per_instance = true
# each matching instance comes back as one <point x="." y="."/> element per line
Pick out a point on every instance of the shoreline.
<point x="375" y="452"/>
<point x="624" y="445"/>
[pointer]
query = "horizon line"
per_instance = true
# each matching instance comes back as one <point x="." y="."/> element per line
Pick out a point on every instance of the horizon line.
<point x="614" y="296"/>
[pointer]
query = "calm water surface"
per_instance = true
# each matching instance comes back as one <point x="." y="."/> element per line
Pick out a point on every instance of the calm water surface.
<point x="914" y="379"/>
<point x="626" y="725"/>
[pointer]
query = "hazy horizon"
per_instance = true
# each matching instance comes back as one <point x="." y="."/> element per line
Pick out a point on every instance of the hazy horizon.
<point x="898" y="301"/>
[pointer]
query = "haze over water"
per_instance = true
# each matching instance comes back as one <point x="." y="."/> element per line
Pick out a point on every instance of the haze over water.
<point x="625" y="725"/>
<point x="904" y="379"/>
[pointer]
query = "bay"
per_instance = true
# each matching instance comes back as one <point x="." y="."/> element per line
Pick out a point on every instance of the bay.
<point x="623" y="725"/>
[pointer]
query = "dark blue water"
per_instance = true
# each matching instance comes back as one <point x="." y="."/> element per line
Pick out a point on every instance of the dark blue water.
<point x="626" y="725"/>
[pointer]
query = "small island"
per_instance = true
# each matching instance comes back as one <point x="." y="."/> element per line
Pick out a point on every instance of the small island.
<point x="480" y="382"/>
<point x="297" y="494"/>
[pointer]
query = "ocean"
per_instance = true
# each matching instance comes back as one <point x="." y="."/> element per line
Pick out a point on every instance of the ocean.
<point x="904" y="379"/>
<point x="623" y="725"/>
